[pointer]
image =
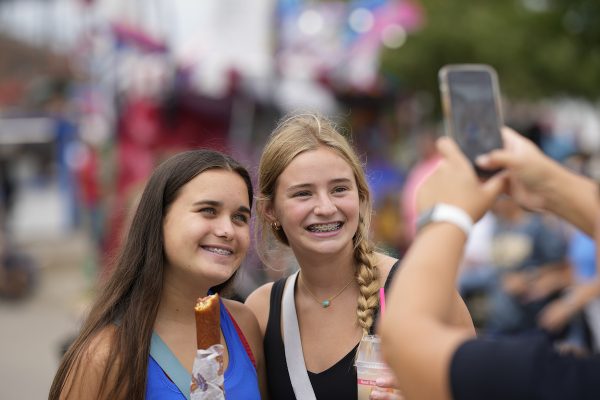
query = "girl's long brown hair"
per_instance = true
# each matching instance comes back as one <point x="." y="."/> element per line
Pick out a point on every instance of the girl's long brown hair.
<point x="130" y="298"/>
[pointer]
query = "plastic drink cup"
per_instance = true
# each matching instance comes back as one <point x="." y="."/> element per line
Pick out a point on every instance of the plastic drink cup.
<point x="369" y="365"/>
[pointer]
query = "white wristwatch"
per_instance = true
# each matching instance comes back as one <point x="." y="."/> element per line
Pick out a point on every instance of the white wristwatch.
<point x="443" y="212"/>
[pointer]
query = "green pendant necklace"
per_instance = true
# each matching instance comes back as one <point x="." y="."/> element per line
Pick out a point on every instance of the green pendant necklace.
<point x="327" y="302"/>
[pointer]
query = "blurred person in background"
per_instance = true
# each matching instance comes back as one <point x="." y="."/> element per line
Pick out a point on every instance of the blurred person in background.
<point x="57" y="105"/>
<point x="189" y="234"/>
<point x="428" y="159"/>
<point x="477" y="277"/>
<point x="529" y="254"/>
<point x="389" y="230"/>
<point x="19" y="273"/>
<point x="313" y="198"/>
<point x="91" y="198"/>
<point x="8" y="185"/>
<point x="435" y="359"/>
<point x="583" y="295"/>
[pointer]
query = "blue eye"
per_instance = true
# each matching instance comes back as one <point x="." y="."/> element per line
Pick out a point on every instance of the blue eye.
<point x="340" y="189"/>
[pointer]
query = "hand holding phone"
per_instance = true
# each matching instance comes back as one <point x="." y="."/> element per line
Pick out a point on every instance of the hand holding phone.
<point x="472" y="109"/>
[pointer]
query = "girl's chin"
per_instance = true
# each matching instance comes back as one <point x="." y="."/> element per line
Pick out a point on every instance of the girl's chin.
<point x="326" y="248"/>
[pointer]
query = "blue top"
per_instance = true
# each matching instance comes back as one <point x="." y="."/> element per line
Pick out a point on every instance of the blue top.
<point x="241" y="381"/>
<point x="582" y="254"/>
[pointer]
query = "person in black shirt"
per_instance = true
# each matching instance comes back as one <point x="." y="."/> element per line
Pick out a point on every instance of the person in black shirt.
<point x="435" y="359"/>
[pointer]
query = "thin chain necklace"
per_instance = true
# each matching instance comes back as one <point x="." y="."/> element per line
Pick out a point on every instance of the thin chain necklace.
<point x="327" y="302"/>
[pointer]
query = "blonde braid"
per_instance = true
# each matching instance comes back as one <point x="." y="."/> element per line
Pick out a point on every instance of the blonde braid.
<point x="368" y="282"/>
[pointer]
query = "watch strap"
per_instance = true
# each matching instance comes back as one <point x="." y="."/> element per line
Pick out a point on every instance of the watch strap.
<point x="443" y="212"/>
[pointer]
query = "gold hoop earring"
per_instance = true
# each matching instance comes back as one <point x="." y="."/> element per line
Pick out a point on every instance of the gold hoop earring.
<point x="275" y="225"/>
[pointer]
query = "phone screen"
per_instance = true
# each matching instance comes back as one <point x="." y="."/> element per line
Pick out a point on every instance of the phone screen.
<point x="474" y="112"/>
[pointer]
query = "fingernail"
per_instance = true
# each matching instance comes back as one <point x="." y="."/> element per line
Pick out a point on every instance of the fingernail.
<point x="374" y="395"/>
<point x="482" y="159"/>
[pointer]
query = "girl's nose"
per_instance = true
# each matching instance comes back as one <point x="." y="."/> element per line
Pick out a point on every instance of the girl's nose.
<point x="325" y="206"/>
<point x="224" y="229"/>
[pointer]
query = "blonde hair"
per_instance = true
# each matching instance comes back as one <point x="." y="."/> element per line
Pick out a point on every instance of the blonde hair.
<point x="296" y="134"/>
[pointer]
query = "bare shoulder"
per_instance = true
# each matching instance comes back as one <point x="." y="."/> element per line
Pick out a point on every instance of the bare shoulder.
<point x="260" y="295"/>
<point x="384" y="264"/>
<point x="259" y="302"/>
<point x="242" y="313"/>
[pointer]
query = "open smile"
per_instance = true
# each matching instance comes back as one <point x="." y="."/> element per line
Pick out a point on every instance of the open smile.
<point x="323" y="228"/>
<point x="218" y="250"/>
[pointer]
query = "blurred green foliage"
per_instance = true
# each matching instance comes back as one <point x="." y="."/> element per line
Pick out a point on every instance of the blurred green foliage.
<point x="540" y="48"/>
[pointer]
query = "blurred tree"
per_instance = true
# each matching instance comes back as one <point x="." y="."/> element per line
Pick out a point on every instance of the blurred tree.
<point x="539" y="47"/>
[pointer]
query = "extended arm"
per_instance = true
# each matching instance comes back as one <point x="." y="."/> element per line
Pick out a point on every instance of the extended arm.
<point x="419" y="341"/>
<point x="418" y="331"/>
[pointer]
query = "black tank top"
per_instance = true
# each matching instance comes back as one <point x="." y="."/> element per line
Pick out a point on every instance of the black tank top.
<point x="337" y="382"/>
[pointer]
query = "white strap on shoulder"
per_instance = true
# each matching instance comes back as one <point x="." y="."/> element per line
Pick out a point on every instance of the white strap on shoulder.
<point x="292" y="345"/>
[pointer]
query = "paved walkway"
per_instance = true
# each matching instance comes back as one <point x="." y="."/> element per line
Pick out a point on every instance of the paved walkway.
<point x="33" y="329"/>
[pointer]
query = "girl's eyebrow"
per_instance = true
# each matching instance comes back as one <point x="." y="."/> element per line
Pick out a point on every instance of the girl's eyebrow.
<point x="341" y="180"/>
<point x="307" y="185"/>
<point x="212" y="203"/>
<point x="298" y="186"/>
<point x="244" y="210"/>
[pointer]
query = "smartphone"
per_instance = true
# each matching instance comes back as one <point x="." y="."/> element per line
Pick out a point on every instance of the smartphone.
<point x="472" y="109"/>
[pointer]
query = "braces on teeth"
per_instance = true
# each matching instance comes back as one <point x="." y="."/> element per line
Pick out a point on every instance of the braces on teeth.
<point x="218" y="251"/>
<point x="325" y="228"/>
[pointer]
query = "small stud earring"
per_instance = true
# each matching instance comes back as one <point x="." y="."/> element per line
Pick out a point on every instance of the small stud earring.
<point x="275" y="225"/>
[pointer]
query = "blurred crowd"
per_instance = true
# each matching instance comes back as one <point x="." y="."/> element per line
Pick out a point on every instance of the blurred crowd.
<point x="95" y="138"/>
